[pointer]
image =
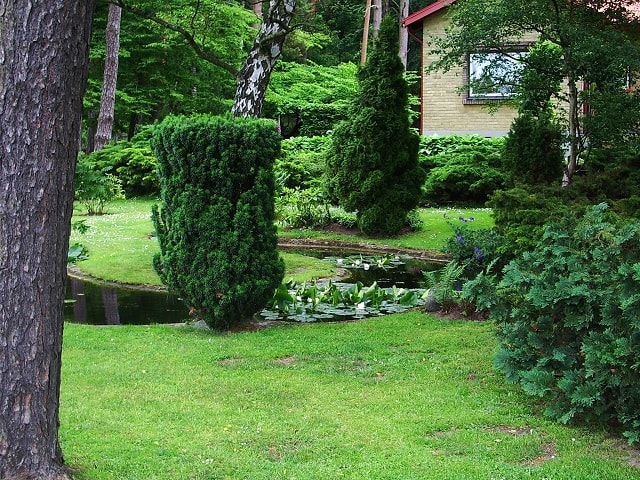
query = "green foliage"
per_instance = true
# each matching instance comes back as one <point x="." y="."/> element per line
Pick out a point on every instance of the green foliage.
<point x="301" y="162"/>
<point x="326" y="300"/>
<point x="613" y="176"/>
<point x="132" y="162"/>
<point x="569" y="320"/>
<point x="216" y="225"/>
<point x="520" y="215"/>
<point x="533" y="151"/>
<point x="541" y="79"/>
<point x="461" y="169"/>
<point x="445" y="284"/>
<point x="297" y="208"/>
<point x="617" y="120"/>
<point x="77" y="251"/>
<point x="372" y="164"/>
<point x="158" y="72"/>
<point x="95" y="187"/>
<point x="310" y="99"/>
<point x="474" y="248"/>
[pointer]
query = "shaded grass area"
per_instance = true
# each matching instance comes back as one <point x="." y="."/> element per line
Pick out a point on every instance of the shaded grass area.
<point x="121" y="243"/>
<point x="398" y="397"/>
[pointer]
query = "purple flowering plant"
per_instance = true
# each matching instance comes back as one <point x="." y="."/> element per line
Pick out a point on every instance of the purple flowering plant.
<point x="472" y="247"/>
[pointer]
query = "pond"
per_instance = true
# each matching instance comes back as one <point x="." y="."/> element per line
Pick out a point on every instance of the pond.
<point x="108" y="304"/>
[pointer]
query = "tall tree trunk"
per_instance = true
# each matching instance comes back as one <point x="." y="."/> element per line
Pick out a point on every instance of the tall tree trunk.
<point x="104" y="131"/>
<point x="404" y="32"/>
<point x="365" y="32"/>
<point x="254" y="77"/>
<point x="43" y="71"/>
<point x="377" y="17"/>
<point x="574" y="133"/>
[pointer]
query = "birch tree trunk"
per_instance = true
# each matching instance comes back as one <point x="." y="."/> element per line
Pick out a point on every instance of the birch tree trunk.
<point x="43" y="72"/>
<point x="574" y="133"/>
<point x="254" y="77"/>
<point x="104" y="130"/>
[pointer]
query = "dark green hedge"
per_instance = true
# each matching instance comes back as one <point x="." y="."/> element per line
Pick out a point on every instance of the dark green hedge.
<point x="216" y="224"/>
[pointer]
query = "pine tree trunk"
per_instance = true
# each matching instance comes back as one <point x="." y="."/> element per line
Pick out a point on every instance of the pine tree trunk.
<point x="43" y="69"/>
<point x="104" y="131"/>
<point x="254" y="77"/>
<point x="404" y="32"/>
<point x="377" y="17"/>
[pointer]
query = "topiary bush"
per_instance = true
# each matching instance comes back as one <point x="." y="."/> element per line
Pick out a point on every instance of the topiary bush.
<point x="218" y="244"/>
<point x="569" y="320"/>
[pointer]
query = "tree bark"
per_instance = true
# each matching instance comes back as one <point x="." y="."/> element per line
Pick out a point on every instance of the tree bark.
<point x="43" y="70"/>
<point x="377" y="17"/>
<point x="574" y="133"/>
<point x="253" y="78"/>
<point x="365" y="32"/>
<point x="404" y="32"/>
<point x="104" y="129"/>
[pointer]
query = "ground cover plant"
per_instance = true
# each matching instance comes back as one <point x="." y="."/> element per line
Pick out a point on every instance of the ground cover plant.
<point x="398" y="397"/>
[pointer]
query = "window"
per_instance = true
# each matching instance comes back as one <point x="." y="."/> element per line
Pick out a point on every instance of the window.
<point x="493" y="75"/>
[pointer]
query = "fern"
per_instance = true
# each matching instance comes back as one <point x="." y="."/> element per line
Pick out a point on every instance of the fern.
<point x="445" y="284"/>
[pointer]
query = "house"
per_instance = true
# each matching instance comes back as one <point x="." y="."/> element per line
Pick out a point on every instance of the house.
<point x="446" y="108"/>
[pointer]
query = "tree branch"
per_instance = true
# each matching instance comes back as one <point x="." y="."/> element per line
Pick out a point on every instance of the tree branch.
<point x="187" y="36"/>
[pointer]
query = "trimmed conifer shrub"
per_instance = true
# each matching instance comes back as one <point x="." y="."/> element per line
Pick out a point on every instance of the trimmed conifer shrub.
<point x="372" y="163"/>
<point x="216" y="223"/>
<point x="533" y="150"/>
<point x="569" y="318"/>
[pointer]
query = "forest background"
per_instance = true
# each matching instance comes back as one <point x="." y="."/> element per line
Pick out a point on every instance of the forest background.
<point x="166" y="69"/>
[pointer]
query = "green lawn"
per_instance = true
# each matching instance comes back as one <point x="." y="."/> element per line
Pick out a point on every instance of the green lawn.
<point x="397" y="397"/>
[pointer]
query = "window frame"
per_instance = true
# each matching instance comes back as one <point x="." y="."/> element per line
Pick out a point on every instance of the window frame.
<point x="469" y="98"/>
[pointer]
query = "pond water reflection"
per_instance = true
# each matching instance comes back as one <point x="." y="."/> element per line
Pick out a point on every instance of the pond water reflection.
<point x="99" y="304"/>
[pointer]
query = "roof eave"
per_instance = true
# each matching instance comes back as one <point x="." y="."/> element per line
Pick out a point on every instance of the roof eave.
<point x="426" y="11"/>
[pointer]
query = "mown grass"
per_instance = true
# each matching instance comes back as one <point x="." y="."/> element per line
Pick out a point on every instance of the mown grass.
<point x="122" y="243"/>
<point x="398" y="397"/>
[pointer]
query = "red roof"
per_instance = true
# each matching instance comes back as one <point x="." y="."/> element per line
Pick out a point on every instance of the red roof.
<point x="634" y="10"/>
<point x="426" y="11"/>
